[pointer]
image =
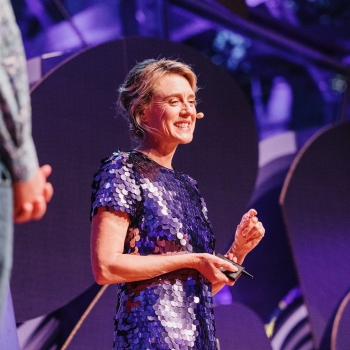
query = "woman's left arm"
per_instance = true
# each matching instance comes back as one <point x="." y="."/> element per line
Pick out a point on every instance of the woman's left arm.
<point x="249" y="233"/>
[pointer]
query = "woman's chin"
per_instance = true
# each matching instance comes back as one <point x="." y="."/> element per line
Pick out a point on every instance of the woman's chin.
<point x="185" y="137"/>
<point x="177" y="139"/>
<point x="186" y="140"/>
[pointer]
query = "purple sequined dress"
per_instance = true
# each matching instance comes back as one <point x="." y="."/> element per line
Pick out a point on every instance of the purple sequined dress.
<point x="168" y="216"/>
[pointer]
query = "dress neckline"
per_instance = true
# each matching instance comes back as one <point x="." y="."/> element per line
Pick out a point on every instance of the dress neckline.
<point x="153" y="161"/>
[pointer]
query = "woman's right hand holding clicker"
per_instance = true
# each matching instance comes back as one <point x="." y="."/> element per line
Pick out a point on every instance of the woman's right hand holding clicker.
<point x="209" y="266"/>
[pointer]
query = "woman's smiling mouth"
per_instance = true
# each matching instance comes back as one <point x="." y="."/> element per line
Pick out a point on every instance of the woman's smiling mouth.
<point x="182" y="125"/>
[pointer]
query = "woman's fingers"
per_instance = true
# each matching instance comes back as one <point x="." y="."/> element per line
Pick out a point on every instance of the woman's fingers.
<point x="230" y="256"/>
<point x="229" y="267"/>
<point x="247" y="219"/>
<point x="252" y="224"/>
<point x="210" y="266"/>
<point x="252" y="212"/>
<point x="222" y="278"/>
<point x="255" y="231"/>
<point x="230" y="282"/>
<point x="221" y="263"/>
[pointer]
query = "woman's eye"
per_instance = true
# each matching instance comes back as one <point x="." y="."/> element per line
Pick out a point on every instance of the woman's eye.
<point x="192" y="102"/>
<point x="172" y="102"/>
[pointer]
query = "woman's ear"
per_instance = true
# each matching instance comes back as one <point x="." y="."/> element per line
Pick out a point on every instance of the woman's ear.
<point x="144" y="115"/>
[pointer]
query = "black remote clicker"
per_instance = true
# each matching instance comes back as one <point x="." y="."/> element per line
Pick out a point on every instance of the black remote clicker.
<point x="234" y="275"/>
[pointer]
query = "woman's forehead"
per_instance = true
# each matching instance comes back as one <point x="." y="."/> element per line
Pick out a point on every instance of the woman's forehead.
<point x="171" y="84"/>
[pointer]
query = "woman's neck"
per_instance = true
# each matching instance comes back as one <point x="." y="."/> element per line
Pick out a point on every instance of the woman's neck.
<point x="161" y="154"/>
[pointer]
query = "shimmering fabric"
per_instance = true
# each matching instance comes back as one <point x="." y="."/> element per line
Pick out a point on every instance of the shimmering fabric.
<point x="168" y="216"/>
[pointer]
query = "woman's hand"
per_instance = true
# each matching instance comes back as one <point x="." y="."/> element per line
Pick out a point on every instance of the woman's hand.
<point x="249" y="233"/>
<point x="209" y="266"/>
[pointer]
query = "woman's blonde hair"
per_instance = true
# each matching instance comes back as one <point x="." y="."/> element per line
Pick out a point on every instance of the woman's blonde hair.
<point x="138" y="88"/>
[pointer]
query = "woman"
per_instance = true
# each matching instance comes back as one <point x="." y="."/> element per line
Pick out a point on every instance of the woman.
<point x="150" y="230"/>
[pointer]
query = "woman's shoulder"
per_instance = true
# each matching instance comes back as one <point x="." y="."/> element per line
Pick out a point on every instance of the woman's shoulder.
<point x="116" y="184"/>
<point x="118" y="162"/>
<point x="118" y="157"/>
<point x="189" y="179"/>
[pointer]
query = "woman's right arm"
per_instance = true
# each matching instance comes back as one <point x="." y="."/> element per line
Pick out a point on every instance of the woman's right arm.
<point x="110" y="265"/>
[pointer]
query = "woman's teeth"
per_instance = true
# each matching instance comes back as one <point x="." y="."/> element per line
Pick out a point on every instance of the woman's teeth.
<point x="182" y="125"/>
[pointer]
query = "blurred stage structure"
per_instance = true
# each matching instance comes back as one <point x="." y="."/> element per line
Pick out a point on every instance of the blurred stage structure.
<point x="287" y="59"/>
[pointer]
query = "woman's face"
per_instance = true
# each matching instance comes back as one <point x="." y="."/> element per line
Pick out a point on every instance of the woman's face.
<point x="171" y="115"/>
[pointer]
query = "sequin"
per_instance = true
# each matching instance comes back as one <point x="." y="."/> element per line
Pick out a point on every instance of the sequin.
<point x="168" y="216"/>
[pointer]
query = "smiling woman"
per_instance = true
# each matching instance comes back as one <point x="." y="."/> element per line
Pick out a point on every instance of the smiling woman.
<point x="150" y="230"/>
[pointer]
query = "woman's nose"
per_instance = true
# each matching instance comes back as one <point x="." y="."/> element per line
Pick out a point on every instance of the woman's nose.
<point x="185" y="108"/>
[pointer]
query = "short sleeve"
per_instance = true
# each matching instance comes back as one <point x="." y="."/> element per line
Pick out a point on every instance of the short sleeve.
<point x="115" y="186"/>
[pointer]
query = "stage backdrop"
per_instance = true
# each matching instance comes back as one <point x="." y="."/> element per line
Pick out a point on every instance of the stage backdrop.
<point x="315" y="201"/>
